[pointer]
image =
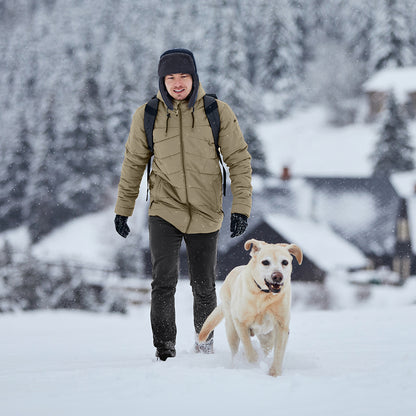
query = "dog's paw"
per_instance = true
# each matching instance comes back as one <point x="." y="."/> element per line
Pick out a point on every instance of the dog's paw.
<point x="252" y="357"/>
<point x="274" y="372"/>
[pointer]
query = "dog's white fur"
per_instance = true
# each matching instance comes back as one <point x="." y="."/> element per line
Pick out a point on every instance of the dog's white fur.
<point x="249" y="310"/>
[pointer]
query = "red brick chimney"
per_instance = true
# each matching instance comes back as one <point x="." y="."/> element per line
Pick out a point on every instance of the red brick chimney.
<point x="285" y="176"/>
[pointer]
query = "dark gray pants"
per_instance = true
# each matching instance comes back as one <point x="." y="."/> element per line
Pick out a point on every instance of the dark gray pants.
<point x="165" y="242"/>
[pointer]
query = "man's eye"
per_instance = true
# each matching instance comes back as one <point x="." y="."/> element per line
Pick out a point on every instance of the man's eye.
<point x="265" y="263"/>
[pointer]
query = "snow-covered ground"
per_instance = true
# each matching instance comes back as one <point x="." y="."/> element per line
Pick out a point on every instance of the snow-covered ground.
<point x="348" y="362"/>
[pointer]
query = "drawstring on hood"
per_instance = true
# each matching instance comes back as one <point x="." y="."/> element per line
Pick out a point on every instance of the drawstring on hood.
<point x="168" y="114"/>
<point x="167" y="120"/>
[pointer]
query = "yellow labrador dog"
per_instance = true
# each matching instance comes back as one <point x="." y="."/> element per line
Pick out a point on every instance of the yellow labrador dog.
<point x="255" y="300"/>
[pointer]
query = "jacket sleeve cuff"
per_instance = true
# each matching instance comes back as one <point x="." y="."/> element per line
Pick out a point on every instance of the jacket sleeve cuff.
<point x="241" y="209"/>
<point x="120" y="210"/>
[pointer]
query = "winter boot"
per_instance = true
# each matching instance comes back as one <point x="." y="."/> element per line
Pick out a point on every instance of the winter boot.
<point x="206" y="347"/>
<point x="166" y="351"/>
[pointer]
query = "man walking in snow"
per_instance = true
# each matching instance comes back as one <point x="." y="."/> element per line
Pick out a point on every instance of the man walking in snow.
<point x="185" y="192"/>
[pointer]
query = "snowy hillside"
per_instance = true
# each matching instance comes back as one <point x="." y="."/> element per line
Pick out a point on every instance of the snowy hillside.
<point x="359" y="362"/>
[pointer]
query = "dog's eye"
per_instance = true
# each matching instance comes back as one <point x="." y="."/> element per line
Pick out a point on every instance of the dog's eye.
<point x="285" y="262"/>
<point x="265" y="263"/>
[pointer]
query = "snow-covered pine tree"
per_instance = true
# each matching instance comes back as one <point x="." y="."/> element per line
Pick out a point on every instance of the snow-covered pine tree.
<point x="252" y="23"/>
<point x="209" y="66"/>
<point x="393" y="151"/>
<point x="43" y="210"/>
<point x="235" y="88"/>
<point x="86" y="150"/>
<point x="278" y="69"/>
<point x="258" y="158"/>
<point x="15" y="174"/>
<point x="6" y="254"/>
<point x="148" y="83"/>
<point x="299" y="12"/>
<point x="391" y="39"/>
<point x="341" y="84"/>
<point x="412" y="28"/>
<point x="119" y="101"/>
<point x="359" y="24"/>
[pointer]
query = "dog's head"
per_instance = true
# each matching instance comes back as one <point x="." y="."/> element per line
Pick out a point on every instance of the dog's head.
<point x="272" y="263"/>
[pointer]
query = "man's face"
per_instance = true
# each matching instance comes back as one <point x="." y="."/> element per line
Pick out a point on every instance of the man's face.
<point x="178" y="85"/>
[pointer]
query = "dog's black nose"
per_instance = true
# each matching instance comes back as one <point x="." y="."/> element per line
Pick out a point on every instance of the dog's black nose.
<point x="277" y="277"/>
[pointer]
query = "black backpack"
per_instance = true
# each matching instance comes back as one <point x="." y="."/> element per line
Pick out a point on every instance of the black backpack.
<point x="213" y="116"/>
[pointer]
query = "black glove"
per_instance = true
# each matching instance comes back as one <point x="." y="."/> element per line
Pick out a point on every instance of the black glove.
<point x="238" y="224"/>
<point x="121" y="225"/>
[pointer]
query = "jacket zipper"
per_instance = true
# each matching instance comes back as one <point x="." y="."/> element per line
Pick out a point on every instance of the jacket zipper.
<point x="183" y="167"/>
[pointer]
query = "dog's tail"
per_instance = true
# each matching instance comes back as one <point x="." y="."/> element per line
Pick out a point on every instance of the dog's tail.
<point x="211" y="322"/>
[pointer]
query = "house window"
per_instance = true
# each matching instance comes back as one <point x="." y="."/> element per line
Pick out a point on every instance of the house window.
<point x="402" y="230"/>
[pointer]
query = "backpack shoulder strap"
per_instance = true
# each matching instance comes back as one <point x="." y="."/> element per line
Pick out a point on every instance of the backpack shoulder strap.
<point x="150" y="112"/>
<point x="213" y="116"/>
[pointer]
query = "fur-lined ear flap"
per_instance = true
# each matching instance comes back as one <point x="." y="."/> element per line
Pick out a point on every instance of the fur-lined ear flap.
<point x="252" y="244"/>
<point x="296" y="251"/>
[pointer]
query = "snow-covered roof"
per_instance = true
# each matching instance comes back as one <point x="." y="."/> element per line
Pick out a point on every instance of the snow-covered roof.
<point x="362" y="210"/>
<point x="327" y="249"/>
<point x="404" y="183"/>
<point x="401" y="81"/>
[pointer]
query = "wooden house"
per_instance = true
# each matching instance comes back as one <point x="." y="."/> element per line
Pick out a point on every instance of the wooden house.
<point x="400" y="81"/>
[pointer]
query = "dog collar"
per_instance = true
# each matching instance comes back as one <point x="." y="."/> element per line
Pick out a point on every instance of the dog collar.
<point x="263" y="290"/>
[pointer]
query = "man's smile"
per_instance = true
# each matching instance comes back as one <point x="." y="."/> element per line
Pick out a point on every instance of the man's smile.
<point x="179" y="85"/>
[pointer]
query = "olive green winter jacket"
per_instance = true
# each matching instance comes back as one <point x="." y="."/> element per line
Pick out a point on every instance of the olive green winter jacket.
<point x="185" y="183"/>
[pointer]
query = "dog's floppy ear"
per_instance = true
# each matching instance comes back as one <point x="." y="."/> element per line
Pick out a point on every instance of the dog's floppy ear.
<point x="296" y="251"/>
<point x="253" y="244"/>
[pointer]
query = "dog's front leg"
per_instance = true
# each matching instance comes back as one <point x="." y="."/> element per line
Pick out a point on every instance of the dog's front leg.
<point x="244" y="334"/>
<point x="281" y="336"/>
